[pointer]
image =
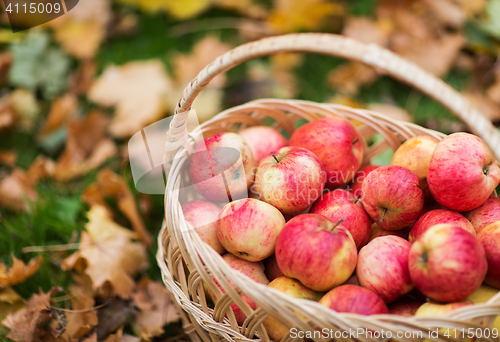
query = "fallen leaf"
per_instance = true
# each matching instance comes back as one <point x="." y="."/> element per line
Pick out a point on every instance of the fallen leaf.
<point x="83" y="317"/>
<point x="8" y="158"/>
<point x="138" y="90"/>
<point x="83" y="77"/>
<point x="179" y="9"/>
<point x="87" y="147"/>
<point x="18" y="272"/>
<point x="391" y="111"/>
<point x="28" y="323"/>
<point x="25" y="106"/>
<point x="10" y="301"/>
<point x="447" y="12"/>
<point x="155" y="309"/>
<point x="108" y="254"/>
<point x="60" y="110"/>
<point x="367" y="30"/>
<point x="349" y="77"/>
<point x="113" y="317"/>
<point x="109" y="184"/>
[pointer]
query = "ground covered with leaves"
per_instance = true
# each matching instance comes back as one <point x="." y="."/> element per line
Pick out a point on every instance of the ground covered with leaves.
<point x="77" y="240"/>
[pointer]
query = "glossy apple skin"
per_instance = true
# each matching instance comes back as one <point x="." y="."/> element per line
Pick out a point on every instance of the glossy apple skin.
<point x="253" y="270"/>
<point x="377" y="231"/>
<point x="262" y="140"/>
<point x="249" y="228"/>
<point x="484" y="215"/>
<point x="392" y="197"/>
<point x="272" y="270"/>
<point x="293" y="183"/>
<point x="354" y="299"/>
<point x="462" y="172"/>
<point x="430" y="309"/>
<point x="357" y="183"/>
<point x="415" y="154"/>
<point x="433" y="217"/>
<point x="295" y="289"/>
<point x="489" y="238"/>
<point x="340" y="204"/>
<point x="383" y="267"/>
<point x="312" y="251"/>
<point x="447" y="263"/>
<point x="204" y="217"/>
<point x="205" y="164"/>
<point x="336" y="143"/>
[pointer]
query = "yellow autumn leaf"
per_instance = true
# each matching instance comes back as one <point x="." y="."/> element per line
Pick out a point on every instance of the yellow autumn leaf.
<point x="179" y="9"/>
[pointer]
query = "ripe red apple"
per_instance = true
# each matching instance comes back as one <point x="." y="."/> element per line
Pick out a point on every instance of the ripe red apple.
<point x="272" y="269"/>
<point x="484" y="215"/>
<point x="340" y="204"/>
<point x="489" y="237"/>
<point x="357" y="183"/>
<point x="354" y="299"/>
<point x="253" y="270"/>
<point x="315" y="251"/>
<point x="221" y="168"/>
<point x="204" y="217"/>
<point x="290" y="179"/>
<point x="383" y="267"/>
<point x="248" y="228"/>
<point x="392" y="197"/>
<point x="377" y="231"/>
<point x="447" y="263"/>
<point x="415" y="155"/>
<point x="431" y="218"/>
<point x="462" y="172"/>
<point x="336" y="143"/>
<point x="262" y="140"/>
<point x="295" y="289"/>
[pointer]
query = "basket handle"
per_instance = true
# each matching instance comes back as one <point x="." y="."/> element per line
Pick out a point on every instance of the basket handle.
<point x="334" y="45"/>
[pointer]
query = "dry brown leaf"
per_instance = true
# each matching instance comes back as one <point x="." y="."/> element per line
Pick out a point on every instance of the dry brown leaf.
<point x="156" y="308"/>
<point x="60" y="109"/>
<point x="447" y="12"/>
<point x="484" y="104"/>
<point x="391" y="111"/>
<point x="84" y="317"/>
<point x="25" y="107"/>
<point x="140" y="92"/>
<point x="10" y="301"/>
<point x="19" y="271"/>
<point x="348" y="77"/>
<point x="27" y="324"/>
<point x="108" y="254"/>
<point x="8" y="158"/>
<point x="367" y="30"/>
<point x="83" y="77"/>
<point x="111" y="185"/>
<point x="493" y="92"/>
<point x="87" y="147"/>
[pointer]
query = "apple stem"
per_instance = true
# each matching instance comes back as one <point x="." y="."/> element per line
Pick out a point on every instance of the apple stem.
<point x="383" y="215"/>
<point x="357" y="199"/>
<point x="486" y="170"/>
<point x="274" y="156"/>
<point x="335" y="226"/>
<point x="355" y="141"/>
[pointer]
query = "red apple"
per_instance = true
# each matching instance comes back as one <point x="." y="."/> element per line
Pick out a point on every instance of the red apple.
<point x="383" y="267"/>
<point x="272" y="269"/>
<point x="336" y="143"/>
<point x="248" y="228"/>
<point x="313" y="250"/>
<point x="354" y="299"/>
<point x="253" y="270"/>
<point x="484" y="215"/>
<point x="377" y="231"/>
<point x="392" y="197"/>
<point x="295" y="289"/>
<point x="340" y="204"/>
<point x="221" y="168"/>
<point x="489" y="237"/>
<point x="447" y="263"/>
<point x="462" y="172"/>
<point x="357" y="183"/>
<point x="204" y="217"/>
<point x="262" y="140"/>
<point x="438" y="216"/>
<point x="290" y="179"/>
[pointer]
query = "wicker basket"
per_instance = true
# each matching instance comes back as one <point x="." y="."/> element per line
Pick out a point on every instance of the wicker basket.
<point x="187" y="263"/>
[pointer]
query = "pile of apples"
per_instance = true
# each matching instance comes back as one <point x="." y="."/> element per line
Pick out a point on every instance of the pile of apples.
<point x="419" y="236"/>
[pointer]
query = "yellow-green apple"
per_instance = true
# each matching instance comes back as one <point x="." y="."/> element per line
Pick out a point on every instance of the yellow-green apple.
<point x="248" y="228"/>
<point x="221" y="168"/>
<point x="484" y="215"/>
<point x="447" y="263"/>
<point x="405" y="306"/>
<point x="336" y="143"/>
<point x="357" y="183"/>
<point x="462" y="172"/>
<point x="290" y="179"/>
<point x="204" y="217"/>
<point x="253" y="270"/>
<point x="315" y="251"/>
<point x="431" y="309"/>
<point x="392" y="197"/>
<point x="354" y="299"/>
<point x="489" y="237"/>
<point x="433" y="217"/>
<point x="272" y="269"/>
<point x="482" y="295"/>
<point x="415" y="154"/>
<point x="383" y="267"/>
<point x="262" y="140"/>
<point x="295" y="289"/>
<point x="377" y="231"/>
<point x="341" y="204"/>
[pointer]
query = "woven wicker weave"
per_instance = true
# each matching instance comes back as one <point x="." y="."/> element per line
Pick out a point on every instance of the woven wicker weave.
<point x="187" y="263"/>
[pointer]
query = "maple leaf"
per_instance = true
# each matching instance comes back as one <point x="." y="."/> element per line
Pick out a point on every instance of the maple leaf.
<point x="60" y="109"/>
<point x="19" y="271"/>
<point x="108" y="254"/>
<point x="155" y="309"/>
<point x="139" y="90"/>
<point x="10" y="301"/>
